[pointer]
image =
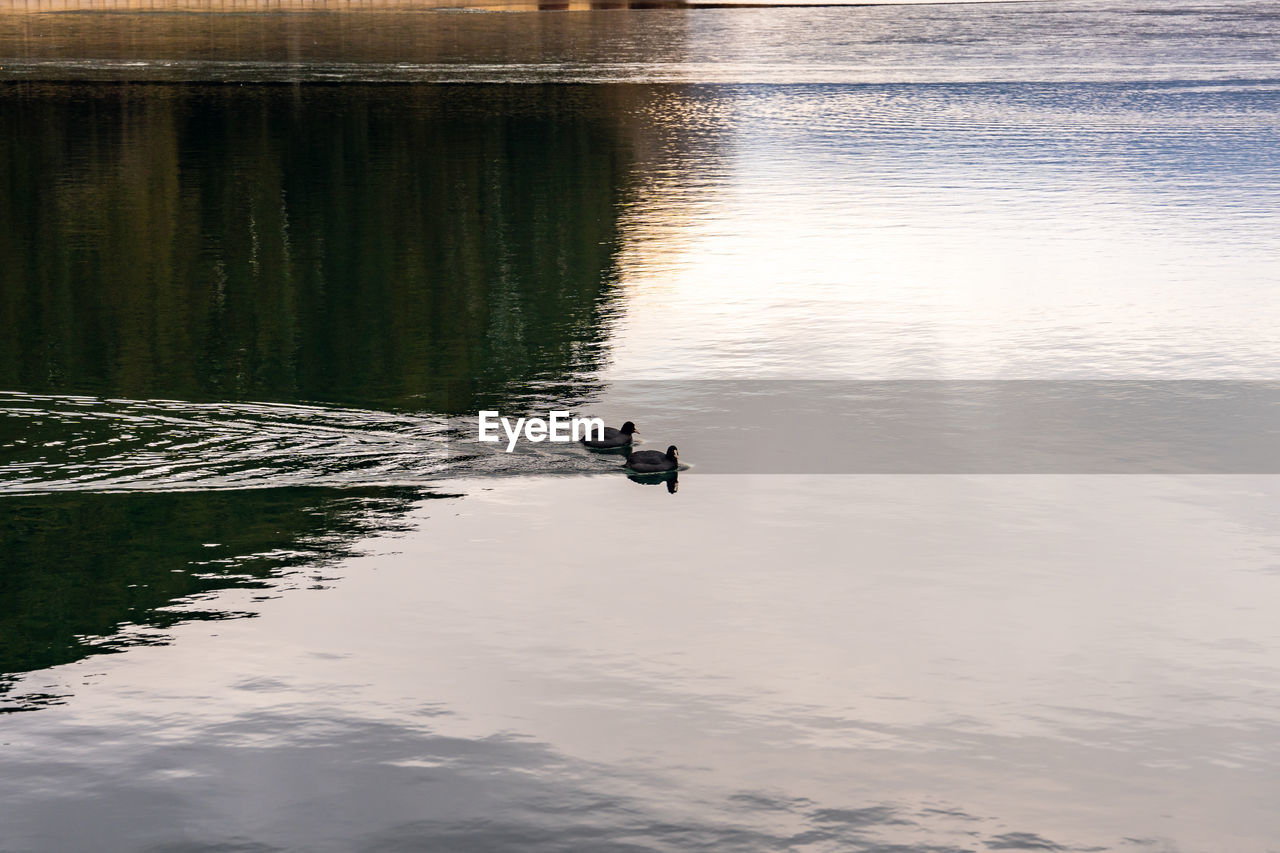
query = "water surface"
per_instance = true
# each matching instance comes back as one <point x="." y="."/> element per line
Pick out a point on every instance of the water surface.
<point x="260" y="591"/>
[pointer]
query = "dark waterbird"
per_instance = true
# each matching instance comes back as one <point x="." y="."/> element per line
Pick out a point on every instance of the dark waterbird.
<point x="612" y="437"/>
<point x="653" y="462"/>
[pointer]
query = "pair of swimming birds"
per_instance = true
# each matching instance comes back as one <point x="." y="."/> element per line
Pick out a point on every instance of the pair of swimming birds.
<point x="641" y="461"/>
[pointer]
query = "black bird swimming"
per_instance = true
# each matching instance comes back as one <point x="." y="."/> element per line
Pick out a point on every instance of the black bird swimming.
<point x="612" y="437"/>
<point x="651" y="461"/>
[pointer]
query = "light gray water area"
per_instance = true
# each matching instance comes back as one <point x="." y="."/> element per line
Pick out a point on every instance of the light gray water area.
<point x="260" y="591"/>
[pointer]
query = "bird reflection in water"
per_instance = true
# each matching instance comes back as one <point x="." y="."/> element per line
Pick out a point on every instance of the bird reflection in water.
<point x="671" y="478"/>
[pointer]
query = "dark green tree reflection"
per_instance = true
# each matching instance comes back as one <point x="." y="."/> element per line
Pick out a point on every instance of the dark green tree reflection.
<point x="78" y="570"/>
<point x="394" y="246"/>
<point x="399" y="247"/>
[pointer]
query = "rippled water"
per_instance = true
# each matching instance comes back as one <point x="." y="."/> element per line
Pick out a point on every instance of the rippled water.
<point x="261" y="589"/>
<point x="1019" y="43"/>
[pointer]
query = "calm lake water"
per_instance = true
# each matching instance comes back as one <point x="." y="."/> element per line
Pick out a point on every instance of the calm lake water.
<point x="963" y="319"/>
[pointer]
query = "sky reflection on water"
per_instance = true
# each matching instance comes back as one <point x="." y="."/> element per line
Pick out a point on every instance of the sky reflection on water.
<point x="856" y="662"/>
<point x="960" y="231"/>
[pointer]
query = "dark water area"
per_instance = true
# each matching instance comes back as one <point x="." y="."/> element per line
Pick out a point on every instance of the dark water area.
<point x="92" y="573"/>
<point x="423" y="247"/>
<point x="961" y="316"/>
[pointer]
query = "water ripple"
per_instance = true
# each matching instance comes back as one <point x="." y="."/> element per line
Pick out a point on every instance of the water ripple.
<point x="76" y="443"/>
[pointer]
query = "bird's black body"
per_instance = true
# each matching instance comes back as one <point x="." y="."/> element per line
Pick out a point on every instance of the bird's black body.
<point x="652" y="461"/>
<point x="612" y="437"/>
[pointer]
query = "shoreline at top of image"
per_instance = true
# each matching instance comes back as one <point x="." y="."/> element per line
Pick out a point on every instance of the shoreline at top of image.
<point x="364" y="6"/>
